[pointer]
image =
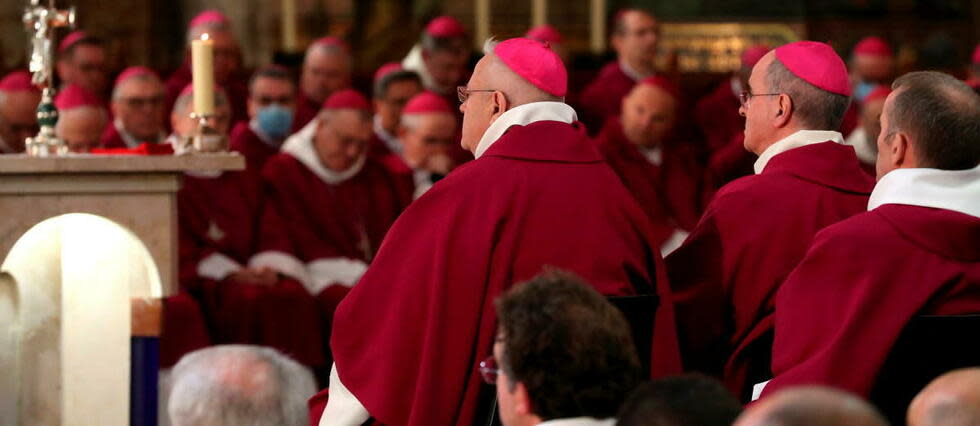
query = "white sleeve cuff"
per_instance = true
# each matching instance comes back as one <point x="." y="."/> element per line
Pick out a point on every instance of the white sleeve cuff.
<point x="343" y="408"/>
<point x="217" y="266"/>
<point x="340" y="270"/>
<point x="282" y="262"/>
<point x="673" y="242"/>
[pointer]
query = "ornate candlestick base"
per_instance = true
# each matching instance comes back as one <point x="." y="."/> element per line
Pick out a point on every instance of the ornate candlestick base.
<point x="46" y="143"/>
<point x="205" y="139"/>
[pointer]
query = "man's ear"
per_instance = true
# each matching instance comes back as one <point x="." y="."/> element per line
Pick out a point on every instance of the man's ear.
<point x="522" y="400"/>
<point x="900" y="151"/>
<point x="784" y="111"/>
<point x="401" y="131"/>
<point x="499" y="103"/>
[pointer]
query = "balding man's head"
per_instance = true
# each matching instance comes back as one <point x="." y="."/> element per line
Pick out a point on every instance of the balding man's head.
<point x="811" y="406"/>
<point x="932" y="120"/>
<point x="953" y="399"/>
<point x="239" y="385"/>
<point x="494" y="89"/>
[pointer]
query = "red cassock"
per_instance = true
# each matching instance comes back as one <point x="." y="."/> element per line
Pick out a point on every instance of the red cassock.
<point x="603" y="97"/>
<point x="839" y="313"/>
<point x="218" y="234"/>
<point x="334" y="229"/>
<point x="306" y="111"/>
<point x="670" y="192"/>
<point x="408" y="337"/>
<point x="184" y="328"/>
<point x="753" y="233"/>
<point x="256" y="152"/>
<point x="236" y="90"/>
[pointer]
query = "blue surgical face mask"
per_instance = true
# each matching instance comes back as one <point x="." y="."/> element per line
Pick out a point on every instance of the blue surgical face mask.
<point x="862" y="90"/>
<point x="275" y="121"/>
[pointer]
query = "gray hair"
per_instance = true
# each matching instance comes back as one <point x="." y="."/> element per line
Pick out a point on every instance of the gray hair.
<point x="183" y="102"/>
<point x="117" y="90"/>
<point x="817" y="109"/>
<point x="239" y="385"/>
<point x="942" y="116"/>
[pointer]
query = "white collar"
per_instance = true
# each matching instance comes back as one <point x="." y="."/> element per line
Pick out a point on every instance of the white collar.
<point x="390" y="140"/>
<point x="862" y="146"/>
<point x="522" y="115"/>
<point x="579" y="421"/>
<point x="799" y="139"/>
<point x="253" y="125"/>
<point x="632" y="73"/>
<point x="414" y="62"/>
<point x="956" y="190"/>
<point x="130" y="140"/>
<point x="300" y="146"/>
<point x="654" y="155"/>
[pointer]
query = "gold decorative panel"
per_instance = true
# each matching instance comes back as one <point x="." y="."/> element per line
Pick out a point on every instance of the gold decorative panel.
<point x="716" y="46"/>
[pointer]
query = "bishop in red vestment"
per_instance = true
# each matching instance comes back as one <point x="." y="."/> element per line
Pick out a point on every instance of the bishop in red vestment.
<point x="271" y="110"/>
<point x="756" y="229"/>
<point x="218" y="214"/>
<point x="660" y="171"/>
<point x="326" y="69"/>
<point x="634" y="38"/>
<point x="409" y="336"/>
<point x="328" y="204"/>
<point x="137" y="108"/>
<point x="916" y="251"/>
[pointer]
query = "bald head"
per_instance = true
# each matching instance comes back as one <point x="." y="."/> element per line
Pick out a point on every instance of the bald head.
<point x="326" y="69"/>
<point x="953" y="399"/>
<point x="81" y="127"/>
<point x="811" y="406"/>
<point x="648" y="115"/>
<point x="494" y="89"/>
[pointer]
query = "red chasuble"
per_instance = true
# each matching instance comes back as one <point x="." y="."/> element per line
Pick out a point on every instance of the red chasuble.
<point x="669" y="193"/>
<point x="408" y="337"/>
<point x="839" y="313"/>
<point x="306" y="111"/>
<point x="334" y="229"/>
<point x="603" y="97"/>
<point x="753" y="233"/>
<point x="218" y="233"/>
<point x="184" y="328"/>
<point x="256" y="152"/>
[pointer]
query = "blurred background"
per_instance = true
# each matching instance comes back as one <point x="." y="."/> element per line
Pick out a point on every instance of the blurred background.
<point x="700" y="39"/>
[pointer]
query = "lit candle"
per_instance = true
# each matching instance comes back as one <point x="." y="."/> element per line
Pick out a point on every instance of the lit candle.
<point x="598" y="26"/>
<point x="539" y="12"/>
<point x="289" y="43"/>
<point x="202" y="67"/>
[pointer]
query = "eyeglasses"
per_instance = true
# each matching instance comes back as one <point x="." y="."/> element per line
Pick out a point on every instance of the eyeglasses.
<point x="464" y="93"/>
<point x="746" y="96"/>
<point x="489" y="370"/>
<point x="137" y="102"/>
<point x="269" y="100"/>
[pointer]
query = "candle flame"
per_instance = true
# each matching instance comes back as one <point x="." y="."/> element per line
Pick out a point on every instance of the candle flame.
<point x="205" y="36"/>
